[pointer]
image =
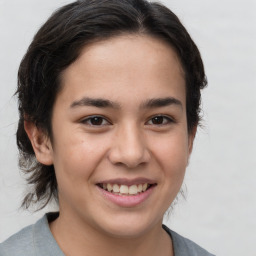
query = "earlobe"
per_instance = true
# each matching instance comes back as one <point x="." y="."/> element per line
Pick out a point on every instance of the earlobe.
<point x="40" y="143"/>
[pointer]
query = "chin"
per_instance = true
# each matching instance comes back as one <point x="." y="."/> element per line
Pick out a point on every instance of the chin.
<point x="128" y="226"/>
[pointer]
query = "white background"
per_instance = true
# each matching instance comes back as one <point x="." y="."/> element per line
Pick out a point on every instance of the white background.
<point x="220" y="210"/>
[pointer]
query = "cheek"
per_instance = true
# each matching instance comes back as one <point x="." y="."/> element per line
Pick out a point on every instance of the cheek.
<point x="77" y="157"/>
<point x="172" y="154"/>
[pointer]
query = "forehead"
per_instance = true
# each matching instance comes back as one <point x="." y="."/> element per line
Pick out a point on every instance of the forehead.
<point x="138" y="64"/>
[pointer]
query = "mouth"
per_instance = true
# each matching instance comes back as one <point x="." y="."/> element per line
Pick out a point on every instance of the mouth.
<point x="125" y="190"/>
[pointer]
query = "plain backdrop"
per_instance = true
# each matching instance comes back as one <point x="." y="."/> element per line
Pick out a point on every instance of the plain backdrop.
<point x="220" y="210"/>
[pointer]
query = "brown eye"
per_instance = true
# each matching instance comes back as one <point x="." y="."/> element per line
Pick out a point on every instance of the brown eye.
<point x="157" y="120"/>
<point x="160" y="120"/>
<point x="95" y="121"/>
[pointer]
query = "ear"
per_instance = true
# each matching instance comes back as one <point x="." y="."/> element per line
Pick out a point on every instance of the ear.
<point x="40" y="142"/>
<point x="191" y="138"/>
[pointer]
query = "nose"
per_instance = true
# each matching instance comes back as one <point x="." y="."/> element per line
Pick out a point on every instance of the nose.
<point x="129" y="147"/>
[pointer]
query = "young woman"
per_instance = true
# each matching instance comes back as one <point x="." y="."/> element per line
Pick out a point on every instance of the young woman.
<point x="109" y="102"/>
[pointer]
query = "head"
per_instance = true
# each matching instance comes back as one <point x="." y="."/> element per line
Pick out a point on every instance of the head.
<point x="62" y="40"/>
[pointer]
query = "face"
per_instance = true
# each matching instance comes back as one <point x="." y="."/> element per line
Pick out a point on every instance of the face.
<point x="120" y="142"/>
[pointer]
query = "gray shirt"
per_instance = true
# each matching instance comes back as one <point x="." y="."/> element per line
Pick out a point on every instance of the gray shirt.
<point x="37" y="240"/>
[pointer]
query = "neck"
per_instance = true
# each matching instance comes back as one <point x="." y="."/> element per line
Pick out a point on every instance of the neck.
<point x="77" y="239"/>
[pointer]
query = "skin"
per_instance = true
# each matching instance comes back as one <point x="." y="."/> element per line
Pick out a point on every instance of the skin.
<point x="126" y="141"/>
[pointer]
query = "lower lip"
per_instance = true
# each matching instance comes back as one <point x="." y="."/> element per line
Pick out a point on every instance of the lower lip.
<point x="127" y="201"/>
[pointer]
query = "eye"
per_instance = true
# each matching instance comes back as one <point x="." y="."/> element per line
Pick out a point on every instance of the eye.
<point x="95" y="121"/>
<point x="160" y="120"/>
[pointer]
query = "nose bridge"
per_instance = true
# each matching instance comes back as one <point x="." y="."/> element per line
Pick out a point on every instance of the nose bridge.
<point x="130" y="147"/>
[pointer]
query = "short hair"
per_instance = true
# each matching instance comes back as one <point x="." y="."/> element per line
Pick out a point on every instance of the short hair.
<point x="59" y="42"/>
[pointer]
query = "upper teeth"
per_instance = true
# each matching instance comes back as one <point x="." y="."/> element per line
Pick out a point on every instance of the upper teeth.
<point x="124" y="189"/>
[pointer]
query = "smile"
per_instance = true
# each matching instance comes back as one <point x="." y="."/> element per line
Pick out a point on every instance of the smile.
<point x="127" y="193"/>
<point x="121" y="189"/>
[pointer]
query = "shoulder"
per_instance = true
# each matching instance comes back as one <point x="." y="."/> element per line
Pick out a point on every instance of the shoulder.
<point x="33" y="240"/>
<point x="20" y="243"/>
<point x="185" y="247"/>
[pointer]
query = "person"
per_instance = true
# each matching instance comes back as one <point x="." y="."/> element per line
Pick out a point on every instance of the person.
<point x="109" y="105"/>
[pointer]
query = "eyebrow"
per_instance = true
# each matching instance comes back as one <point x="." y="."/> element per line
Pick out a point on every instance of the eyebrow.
<point x="104" y="103"/>
<point x="98" y="102"/>
<point x="161" y="102"/>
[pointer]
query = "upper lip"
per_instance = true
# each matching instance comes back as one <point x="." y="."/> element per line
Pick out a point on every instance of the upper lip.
<point x="128" y="182"/>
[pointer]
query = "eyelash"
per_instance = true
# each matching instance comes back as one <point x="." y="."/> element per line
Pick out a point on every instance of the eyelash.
<point x="167" y="120"/>
<point x="88" y="121"/>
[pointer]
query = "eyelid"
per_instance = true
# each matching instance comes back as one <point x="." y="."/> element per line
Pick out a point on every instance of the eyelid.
<point x="167" y="117"/>
<point x="87" y="119"/>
